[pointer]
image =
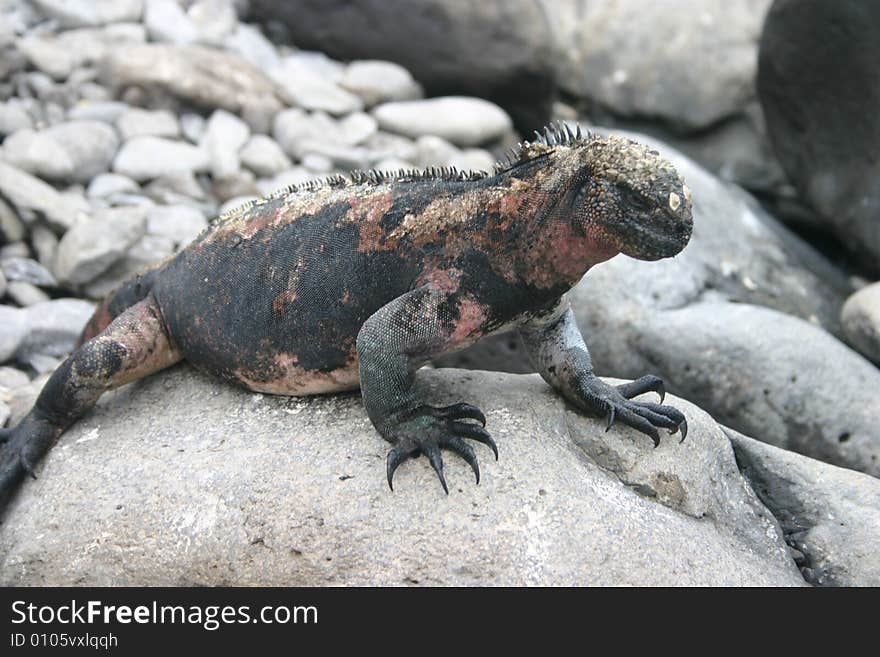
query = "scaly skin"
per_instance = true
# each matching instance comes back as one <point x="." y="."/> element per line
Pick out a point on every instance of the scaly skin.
<point x="358" y="282"/>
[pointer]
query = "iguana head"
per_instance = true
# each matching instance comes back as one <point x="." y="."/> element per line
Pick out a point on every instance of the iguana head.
<point x="631" y="198"/>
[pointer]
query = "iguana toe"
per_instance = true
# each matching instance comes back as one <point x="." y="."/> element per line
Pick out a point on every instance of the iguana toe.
<point x="429" y="429"/>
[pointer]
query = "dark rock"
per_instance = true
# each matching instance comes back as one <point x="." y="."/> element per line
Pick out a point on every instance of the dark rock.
<point x="818" y="85"/>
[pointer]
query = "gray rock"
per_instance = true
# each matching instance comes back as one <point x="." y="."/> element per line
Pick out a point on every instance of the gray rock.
<point x="825" y="141"/>
<point x="179" y="223"/>
<point x="317" y="163"/>
<point x="106" y="111"/>
<point x="192" y="126"/>
<point x="22" y="399"/>
<point x="384" y="145"/>
<point x="137" y="122"/>
<point x="75" y="151"/>
<point x="263" y="156"/>
<point x="14" y="117"/>
<point x="298" y="83"/>
<point x="356" y="128"/>
<point x="829" y="514"/>
<point x="94" y="243"/>
<point x="182" y="188"/>
<point x="379" y="82"/>
<point x="2" y="283"/>
<point x="60" y="54"/>
<point x="53" y="327"/>
<point x="11" y="227"/>
<point x="167" y="21"/>
<point x="214" y="20"/>
<point x="292" y="126"/>
<point x="502" y="50"/>
<point x="143" y="158"/>
<point x="90" y="13"/>
<point x="4" y="413"/>
<point x="341" y="155"/>
<point x="622" y="56"/>
<point x="205" y="77"/>
<point x="108" y="184"/>
<point x="26" y="294"/>
<point x="27" y="270"/>
<point x="14" y="250"/>
<point x="242" y="183"/>
<point x="147" y="251"/>
<point x="548" y="514"/>
<point x="249" y="43"/>
<point x="13" y="330"/>
<point x="11" y="378"/>
<point x="45" y="245"/>
<point x="860" y="318"/>
<point x="42" y="363"/>
<point x="224" y="135"/>
<point x="463" y="121"/>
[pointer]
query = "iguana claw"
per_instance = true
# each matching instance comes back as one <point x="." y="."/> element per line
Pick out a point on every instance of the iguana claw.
<point x="428" y="429"/>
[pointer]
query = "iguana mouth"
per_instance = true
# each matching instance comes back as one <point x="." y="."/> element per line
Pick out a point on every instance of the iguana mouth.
<point x="655" y="240"/>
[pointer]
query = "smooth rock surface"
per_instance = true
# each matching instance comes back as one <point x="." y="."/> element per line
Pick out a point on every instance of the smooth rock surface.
<point x="90" y="13"/>
<point x="53" y="327"/>
<point x="830" y="514"/>
<point x="288" y="491"/>
<point x="463" y="121"/>
<point x="137" y="122"/>
<point x="203" y="76"/>
<point x="690" y="63"/>
<point x="143" y="158"/>
<point x="75" y="151"/>
<point x="27" y="192"/>
<point x="860" y="319"/>
<point x="262" y="155"/>
<point x="93" y="244"/>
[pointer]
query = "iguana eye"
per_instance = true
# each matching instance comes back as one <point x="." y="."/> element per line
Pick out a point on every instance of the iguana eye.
<point x="633" y="199"/>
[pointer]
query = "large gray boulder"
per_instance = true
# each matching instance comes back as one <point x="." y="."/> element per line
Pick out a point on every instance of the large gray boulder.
<point x="817" y="80"/>
<point x="223" y="486"/>
<point x="690" y="64"/>
<point x="830" y="515"/>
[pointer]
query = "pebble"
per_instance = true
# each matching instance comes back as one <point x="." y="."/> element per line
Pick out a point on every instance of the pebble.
<point x="90" y="13"/>
<point x="223" y="137"/>
<point x="11" y="227"/>
<point x="860" y="319"/>
<point x="107" y="184"/>
<point x="262" y="155"/>
<point x="143" y="158"/>
<point x="298" y="83"/>
<point x="14" y="117"/>
<point x="93" y="244"/>
<point x="167" y="21"/>
<point x="137" y="122"/>
<point x="461" y="120"/>
<point x="13" y="329"/>
<point x="179" y="223"/>
<point x="248" y="42"/>
<point x="192" y="126"/>
<point x="25" y="294"/>
<point x="53" y="327"/>
<point x="376" y="81"/>
<point x="74" y="151"/>
<point x="11" y="378"/>
<point x="27" y="270"/>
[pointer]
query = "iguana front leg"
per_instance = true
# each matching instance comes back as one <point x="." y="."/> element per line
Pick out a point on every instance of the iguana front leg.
<point x="560" y="355"/>
<point x="391" y="345"/>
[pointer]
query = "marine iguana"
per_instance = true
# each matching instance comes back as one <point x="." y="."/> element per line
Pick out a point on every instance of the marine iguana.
<point x="354" y="282"/>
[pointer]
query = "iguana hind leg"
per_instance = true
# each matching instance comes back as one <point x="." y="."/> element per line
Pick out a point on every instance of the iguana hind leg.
<point x="134" y="345"/>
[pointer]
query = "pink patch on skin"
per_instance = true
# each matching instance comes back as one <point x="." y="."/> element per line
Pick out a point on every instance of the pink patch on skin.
<point x="447" y="280"/>
<point x="471" y="317"/>
<point x="367" y="212"/>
